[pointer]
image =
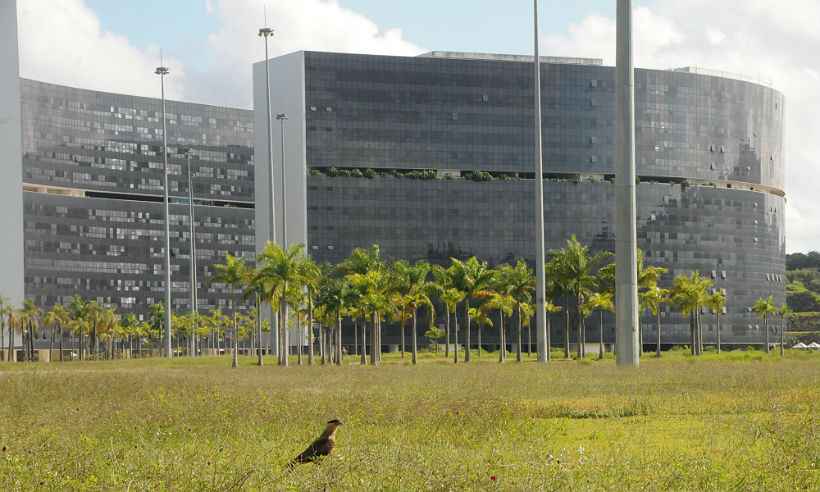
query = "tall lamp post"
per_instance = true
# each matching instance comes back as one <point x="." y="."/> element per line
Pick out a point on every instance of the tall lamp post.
<point x="192" y="233"/>
<point x="162" y="72"/>
<point x="626" y="244"/>
<point x="267" y="33"/>
<point x="282" y="117"/>
<point x="540" y="267"/>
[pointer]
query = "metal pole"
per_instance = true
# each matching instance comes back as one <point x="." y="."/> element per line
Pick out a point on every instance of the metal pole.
<point x="267" y="32"/>
<point x="162" y="72"/>
<point x="285" y="335"/>
<point x="282" y="117"/>
<point x="626" y="243"/>
<point x="191" y="218"/>
<point x="540" y="267"/>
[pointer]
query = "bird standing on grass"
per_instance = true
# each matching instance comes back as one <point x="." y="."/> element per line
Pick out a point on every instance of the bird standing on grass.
<point x="322" y="446"/>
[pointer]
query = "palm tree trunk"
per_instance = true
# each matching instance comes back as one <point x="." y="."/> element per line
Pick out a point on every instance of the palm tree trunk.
<point x="363" y="355"/>
<point x="692" y="332"/>
<point x="782" y="337"/>
<point x="260" y="355"/>
<point x="529" y="337"/>
<point x="519" y="348"/>
<point x="62" y="335"/>
<point x="566" y="334"/>
<point x="447" y="325"/>
<point x="11" y="339"/>
<point x="478" y="336"/>
<point x="355" y="336"/>
<point x="379" y="334"/>
<point x="301" y="338"/>
<point x="766" y="328"/>
<point x="31" y="341"/>
<point x="414" y="339"/>
<point x="401" y="330"/>
<point x="285" y="334"/>
<point x="235" y="358"/>
<point x="339" y="339"/>
<point x="601" y="338"/>
<point x="51" y="345"/>
<point x="467" y="357"/>
<point x="455" y="333"/>
<point x="548" y="341"/>
<point x="310" y="331"/>
<point x="658" y="347"/>
<point x="374" y="340"/>
<point x="717" y="330"/>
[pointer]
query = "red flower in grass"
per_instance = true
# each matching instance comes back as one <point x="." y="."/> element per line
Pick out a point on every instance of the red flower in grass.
<point x="493" y="478"/>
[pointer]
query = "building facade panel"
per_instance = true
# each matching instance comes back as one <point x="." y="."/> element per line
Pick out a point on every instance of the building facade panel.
<point x="734" y="237"/>
<point x="440" y="113"/>
<point x="113" y="251"/>
<point x="92" y="169"/>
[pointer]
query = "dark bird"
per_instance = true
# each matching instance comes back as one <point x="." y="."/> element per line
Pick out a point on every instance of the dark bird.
<point x="322" y="446"/>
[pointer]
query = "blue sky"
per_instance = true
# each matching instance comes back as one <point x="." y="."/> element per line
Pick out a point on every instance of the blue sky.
<point x="180" y="26"/>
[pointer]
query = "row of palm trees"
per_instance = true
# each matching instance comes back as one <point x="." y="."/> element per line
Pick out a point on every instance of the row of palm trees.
<point x="102" y="333"/>
<point x="366" y="291"/>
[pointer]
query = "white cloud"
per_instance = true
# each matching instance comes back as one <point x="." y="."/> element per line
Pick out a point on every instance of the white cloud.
<point x="321" y="25"/>
<point x="63" y="43"/>
<point x="762" y="38"/>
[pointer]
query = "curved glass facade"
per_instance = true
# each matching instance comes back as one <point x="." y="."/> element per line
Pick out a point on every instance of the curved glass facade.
<point x="709" y="156"/>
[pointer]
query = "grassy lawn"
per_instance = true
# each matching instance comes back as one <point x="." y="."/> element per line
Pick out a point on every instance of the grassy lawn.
<point x="739" y="421"/>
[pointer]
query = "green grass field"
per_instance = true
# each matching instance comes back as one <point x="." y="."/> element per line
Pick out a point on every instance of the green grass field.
<point x="740" y="421"/>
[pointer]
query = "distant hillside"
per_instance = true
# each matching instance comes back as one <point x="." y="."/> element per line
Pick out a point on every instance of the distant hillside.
<point x="803" y="294"/>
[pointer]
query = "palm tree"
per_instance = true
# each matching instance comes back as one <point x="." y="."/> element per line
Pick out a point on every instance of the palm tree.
<point x="92" y="314"/>
<point x="785" y="313"/>
<point x="311" y="277"/>
<point x="418" y="295"/>
<point x="549" y="309"/>
<point x="30" y="317"/>
<point x="401" y="273"/>
<point x="717" y="303"/>
<point x="451" y="297"/>
<point x="234" y="273"/>
<point x="368" y="275"/>
<point x="575" y="271"/>
<point x="5" y="311"/>
<point x="482" y="319"/>
<point x="601" y="302"/>
<point x="13" y="319"/>
<point x="517" y="282"/>
<point x="689" y="294"/>
<point x="471" y="277"/>
<point x="654" y="299"/>
<point x="332" y="298"/>
<point x="763" y="308"/>
<point x="648" y="278"/>
<point x="373" y="294"/>
<point x="57" y="317"/>
<point x="280" y="274"/>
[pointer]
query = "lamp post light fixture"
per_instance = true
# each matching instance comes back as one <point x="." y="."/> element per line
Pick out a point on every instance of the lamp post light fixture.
<point x="267" y="33"/>
<point x="163" y="72"/>
<point x="540" y="253"/>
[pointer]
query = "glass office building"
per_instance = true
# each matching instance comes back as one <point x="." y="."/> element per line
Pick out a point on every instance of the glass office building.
<point x="93" y="197"/>
<point x="432" y="157"/>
